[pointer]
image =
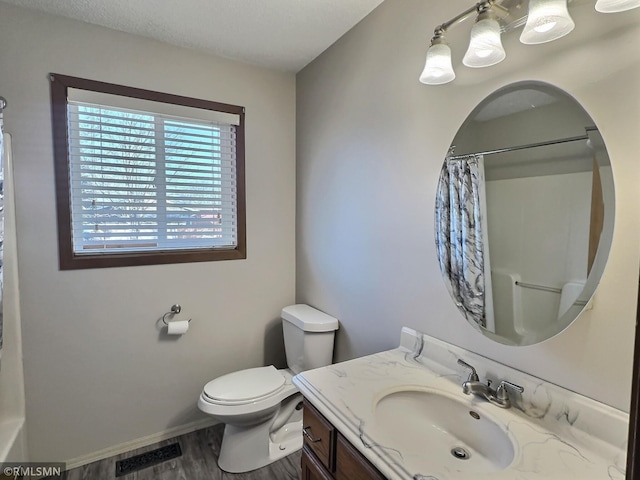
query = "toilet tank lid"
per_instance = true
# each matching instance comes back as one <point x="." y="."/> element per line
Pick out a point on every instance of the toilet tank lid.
<point x="309" y="319"/>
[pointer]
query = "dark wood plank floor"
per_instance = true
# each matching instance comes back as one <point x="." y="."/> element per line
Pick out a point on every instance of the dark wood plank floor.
<point x="199" y="461"/>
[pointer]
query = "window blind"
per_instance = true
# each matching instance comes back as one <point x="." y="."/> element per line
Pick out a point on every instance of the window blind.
<point x="145" y="181"/>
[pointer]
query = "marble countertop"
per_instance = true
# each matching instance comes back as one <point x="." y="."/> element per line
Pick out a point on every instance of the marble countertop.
<point x="558" y="434"/>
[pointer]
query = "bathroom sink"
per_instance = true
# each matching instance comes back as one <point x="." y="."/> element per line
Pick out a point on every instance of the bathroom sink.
<point x="434" y="428"/>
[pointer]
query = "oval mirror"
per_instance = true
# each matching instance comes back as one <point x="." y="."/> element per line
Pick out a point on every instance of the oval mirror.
<point x="524" y="213"/>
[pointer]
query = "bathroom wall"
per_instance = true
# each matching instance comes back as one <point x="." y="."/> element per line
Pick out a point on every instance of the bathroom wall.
<point x="98" y="373"/>
<point x="370" y="143"/>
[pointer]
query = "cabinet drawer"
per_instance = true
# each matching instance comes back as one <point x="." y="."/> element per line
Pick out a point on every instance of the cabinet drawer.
<point x="351" y="465"/>
<point x="311" y="467"/>
<point x="319" y="436"/>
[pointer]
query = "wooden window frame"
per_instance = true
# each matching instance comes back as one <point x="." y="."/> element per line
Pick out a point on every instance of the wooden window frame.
<point x="68" y="260"/>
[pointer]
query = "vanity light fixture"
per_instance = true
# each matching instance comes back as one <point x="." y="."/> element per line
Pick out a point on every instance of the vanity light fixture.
<point x="485" y="46"/>
<point x="615" y="6"/>
<point x="546" y="20"/>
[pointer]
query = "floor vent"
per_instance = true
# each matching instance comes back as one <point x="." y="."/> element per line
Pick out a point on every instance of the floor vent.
<point x="148" y="459"/>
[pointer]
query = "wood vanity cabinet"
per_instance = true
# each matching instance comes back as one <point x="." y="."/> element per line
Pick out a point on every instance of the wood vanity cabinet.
<point x="327" y="455"/>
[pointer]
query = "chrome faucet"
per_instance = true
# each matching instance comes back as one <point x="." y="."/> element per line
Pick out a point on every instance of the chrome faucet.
<point x="499" y="396"/>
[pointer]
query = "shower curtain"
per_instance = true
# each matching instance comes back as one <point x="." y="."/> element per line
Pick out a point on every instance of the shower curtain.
<point x="460" y="237"/>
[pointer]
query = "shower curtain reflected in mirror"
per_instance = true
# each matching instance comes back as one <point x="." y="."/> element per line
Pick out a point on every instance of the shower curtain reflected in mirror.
<point x="461" y="238"/>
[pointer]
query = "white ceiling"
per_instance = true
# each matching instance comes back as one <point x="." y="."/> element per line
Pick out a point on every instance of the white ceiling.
<point x="514" y="102"/>
<point x="280" y="34"/>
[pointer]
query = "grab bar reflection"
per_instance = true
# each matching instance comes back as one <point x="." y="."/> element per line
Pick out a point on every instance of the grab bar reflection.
<point x="538" y="287"/>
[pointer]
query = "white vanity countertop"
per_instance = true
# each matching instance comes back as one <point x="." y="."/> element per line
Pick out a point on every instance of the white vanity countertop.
<point x="559" y="435"/>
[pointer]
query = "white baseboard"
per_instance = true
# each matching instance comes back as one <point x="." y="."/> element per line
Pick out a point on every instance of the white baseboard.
<point x="139" y="442"/>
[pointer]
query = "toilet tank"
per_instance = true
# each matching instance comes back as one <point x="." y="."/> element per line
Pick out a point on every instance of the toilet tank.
<point x="308" y="337"/>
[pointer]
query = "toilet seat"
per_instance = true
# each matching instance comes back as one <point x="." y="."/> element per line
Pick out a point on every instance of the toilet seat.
<point x="245" y="386"/>
<point x="229" y="410"/>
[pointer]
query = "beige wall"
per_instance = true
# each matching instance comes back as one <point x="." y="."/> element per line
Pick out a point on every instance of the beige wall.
<point x="370" y="143"/>
<point x="97" y="371"/>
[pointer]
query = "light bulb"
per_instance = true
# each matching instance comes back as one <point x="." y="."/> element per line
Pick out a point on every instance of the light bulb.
<point x="437" y="67"/>
<point x="547" y="20"/>
<point x="545" y="27"/>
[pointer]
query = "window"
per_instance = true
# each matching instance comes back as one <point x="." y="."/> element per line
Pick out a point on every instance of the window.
<point x="144" y="177"/>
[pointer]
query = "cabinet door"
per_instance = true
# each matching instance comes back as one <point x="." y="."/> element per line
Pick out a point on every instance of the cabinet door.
<point x="311" y="467"/>
<point x="351" y="465"/>
<point x="319" y="436"/>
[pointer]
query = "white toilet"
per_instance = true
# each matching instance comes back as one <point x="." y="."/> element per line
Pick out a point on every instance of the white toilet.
<point x="261" y="408"/>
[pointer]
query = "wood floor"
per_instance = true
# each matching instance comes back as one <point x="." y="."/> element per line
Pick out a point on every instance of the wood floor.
<point x="199" y="461"/>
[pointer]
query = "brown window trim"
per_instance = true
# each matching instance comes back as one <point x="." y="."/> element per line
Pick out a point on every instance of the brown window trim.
<point x="70" y="261"/>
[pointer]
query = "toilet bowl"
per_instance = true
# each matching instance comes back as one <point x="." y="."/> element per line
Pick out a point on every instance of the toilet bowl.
<point x="262" y="394"/>
<point x="261" y="407"/>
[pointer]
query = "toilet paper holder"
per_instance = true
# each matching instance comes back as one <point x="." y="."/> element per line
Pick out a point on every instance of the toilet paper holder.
<point x="175" y="309"/>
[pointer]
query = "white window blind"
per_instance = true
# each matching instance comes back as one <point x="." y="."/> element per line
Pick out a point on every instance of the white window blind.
<point x="144" y="181"/>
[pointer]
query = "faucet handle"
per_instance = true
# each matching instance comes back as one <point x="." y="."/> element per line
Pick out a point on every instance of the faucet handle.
<point x="473" y="376"/>
<point x="501" y="391"/>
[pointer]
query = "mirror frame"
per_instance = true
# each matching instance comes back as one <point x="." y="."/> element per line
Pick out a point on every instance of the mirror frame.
<point x="633" y="451"/>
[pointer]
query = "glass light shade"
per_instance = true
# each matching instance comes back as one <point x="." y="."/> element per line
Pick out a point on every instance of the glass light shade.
<point x="485" y="47"/>
<point x="614" y="6"/>
<point x="438" y="68"/>
<point x="547" y="20"/>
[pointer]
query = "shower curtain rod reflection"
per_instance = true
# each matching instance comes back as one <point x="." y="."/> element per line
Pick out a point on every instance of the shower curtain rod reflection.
<point x="530" y="145"/>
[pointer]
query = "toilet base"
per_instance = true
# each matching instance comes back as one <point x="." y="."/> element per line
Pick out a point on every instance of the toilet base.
<point x="248" y="448"/>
